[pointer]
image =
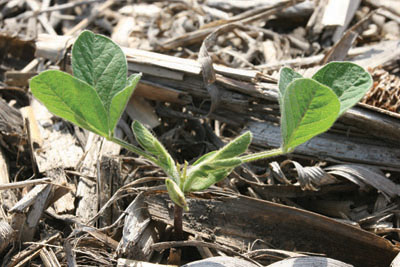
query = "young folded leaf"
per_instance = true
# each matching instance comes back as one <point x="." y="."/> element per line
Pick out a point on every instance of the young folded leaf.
<point x="176" y="194"/>
<point x="308" y="109"/>
<point x="204" y="157"/>
<point x="234" y="148"/>
<point x="349" y="81"/>
<point x="153" y="146"/>
<point x="216" y="165"/>
<point x="202" y="182"/>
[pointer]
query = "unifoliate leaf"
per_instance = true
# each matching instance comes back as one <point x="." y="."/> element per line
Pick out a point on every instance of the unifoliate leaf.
<point x="119" y="101"/>
<point x="176" y="194"/>
<point x="153" y="146"/>
<point x="101" y="63"/>
<point x="286" y="76"/>
<point x="308" y="109"/>
<point x="349" y="81"/>
<point x="71" y="99"/>
<point x="234" y="148"/>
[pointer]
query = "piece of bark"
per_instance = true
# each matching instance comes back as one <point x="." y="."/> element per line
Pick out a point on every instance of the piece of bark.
<point x="7" y="197"/>
<point x="59" y="148"/>
<point x="314" y="25"/>
<point x="139" y="233"/>
<point x="86" y="191"/>
<point x="7" y="235"/>
<point x="64" y="200"/>
<point x="309" y="261"/>
<point x="32" y="206"/>
<point x="52" y="48"/>
<point x="136" y="263"/>
<point x="70" y="254"/>
<point x="35" y="136"/>
<point x="237" y="221"/>
<point x="341" y="149"/>
<point x="36" y="200"/>
<point x="141" y="110"/>
<point x="260" y="13"/>
<point x="221" y="261"/>
<point x="25" y="183"/>
<point x="383" y="54"/>
<point x="49" y="258"/>
<point x="11" y="126"/>
<point x="32" y="251"/>
<point x="339" y="13"/>
<point x="391" y="5"/>
<point x="17" y="78"/>
<point x="342" y="46"/>
<point x="156" y="92"/>
<point x="95" y="12"/>
<point x="396" y="261"/>
<point x="110" y="180"/>
<point x="122" y="30"/>
<point x="366" y="175"/>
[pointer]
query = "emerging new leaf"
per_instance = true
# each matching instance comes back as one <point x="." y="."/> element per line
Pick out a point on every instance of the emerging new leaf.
<point x="176" y="194"/>
<point x="204" y="181"/>
<point x="216" y="165"/>
<point x="234" y="148"/>
<point x="308" y="109"/>
<point x="153" y="146"/>
<point x="349" y="81"/>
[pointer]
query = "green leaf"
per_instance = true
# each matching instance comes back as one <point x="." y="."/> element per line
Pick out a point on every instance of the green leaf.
<point x="286" y="76"/>
<point x="153" y="146"/>
<point x="208" y="169"/>
<point x="204" y="157"/>
<point x="308" y="109"/>
<point x="72" y="99"/>
<point x="203" y="182"/>
<point x="101" y="63"/>
<point x="349" y="81"/>
<point x="235" y="147"/>
<point x="224" y="163"/>
<point x="176" y="194"/>
<point x="119" y="101"/>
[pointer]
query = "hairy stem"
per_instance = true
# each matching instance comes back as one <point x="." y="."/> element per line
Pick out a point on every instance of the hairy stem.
<point x="262" y="155"/>
<point x="178" y="223"/>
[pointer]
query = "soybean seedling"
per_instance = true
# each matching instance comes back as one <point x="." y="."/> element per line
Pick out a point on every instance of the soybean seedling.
<point x="95" y="97"/>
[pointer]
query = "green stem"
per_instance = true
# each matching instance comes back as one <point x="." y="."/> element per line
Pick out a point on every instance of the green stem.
<point x="262" y="155"/>
<point x="133" y="149"/>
